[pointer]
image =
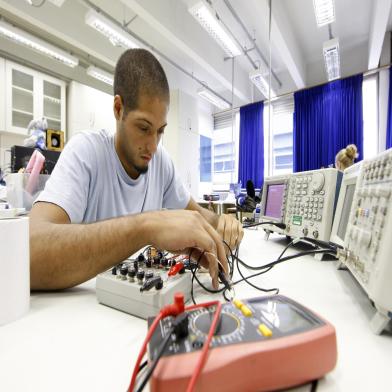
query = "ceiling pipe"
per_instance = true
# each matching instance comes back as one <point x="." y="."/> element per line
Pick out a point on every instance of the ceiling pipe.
<point x="238" y="19"/>
<point x="89" y="4"/>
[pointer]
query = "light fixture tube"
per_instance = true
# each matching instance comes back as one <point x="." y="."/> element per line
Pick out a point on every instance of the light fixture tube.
<point x="100" y="74"/>
<point x="332" y="59"/>
<point x="23" y="38"/>
<point x="204" y="14"/>
<point x="324" y="11"/>
<point x="259" y="79"/>
<point x="115" y="34"/>
<point x="213" y="98"/>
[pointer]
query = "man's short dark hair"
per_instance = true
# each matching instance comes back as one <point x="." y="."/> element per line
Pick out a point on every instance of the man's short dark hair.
<point x="139" y="72"/>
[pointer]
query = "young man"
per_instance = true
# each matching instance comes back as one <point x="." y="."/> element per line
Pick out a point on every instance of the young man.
<point x="104" y="199"/>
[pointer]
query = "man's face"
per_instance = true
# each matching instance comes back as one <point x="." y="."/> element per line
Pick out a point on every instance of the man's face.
<point x="139" y="132"/>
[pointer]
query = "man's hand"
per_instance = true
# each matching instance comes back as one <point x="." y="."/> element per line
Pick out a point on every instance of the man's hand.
<point x="180" y="231"/>
<point x="230" y="230"/>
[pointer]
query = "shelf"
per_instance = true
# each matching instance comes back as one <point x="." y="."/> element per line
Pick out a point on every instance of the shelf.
<point x="23" y="90"/>
<point x="52" y="99"/>
<point x="22" y="112"/>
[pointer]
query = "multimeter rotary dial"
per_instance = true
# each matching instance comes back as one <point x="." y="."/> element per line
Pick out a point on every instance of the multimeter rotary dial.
<point x="230" y="327"/>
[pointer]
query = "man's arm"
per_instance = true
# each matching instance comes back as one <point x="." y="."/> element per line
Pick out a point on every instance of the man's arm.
<point x="63" y="254"/>
<point x="227" y="225"/>
<point x="209" y="216"/>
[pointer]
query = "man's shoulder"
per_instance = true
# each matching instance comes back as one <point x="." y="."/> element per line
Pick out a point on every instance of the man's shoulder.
<point x="162" y="154"/>
<point x="87" y="140"/>
<point x="93" y="135"/>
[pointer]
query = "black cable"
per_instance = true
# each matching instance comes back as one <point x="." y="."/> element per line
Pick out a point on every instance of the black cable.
<point x="235" y="257"/>
<point x="286" y="247"/>
<point x="277" y="224"/>
<point x="151" y="368"/>
<point x="272" y="264"/>
<point x="193" y="271"/>
<point x="212" y="291"/>
<point x="265" y="268"/>
<point x="143" y="365"/>
<point x="313" y="387"/>
<point x="308" y="252"/>
<point x="192" y="283"/>
<point x="253" y="285"/>
<point x="324" y="244"/>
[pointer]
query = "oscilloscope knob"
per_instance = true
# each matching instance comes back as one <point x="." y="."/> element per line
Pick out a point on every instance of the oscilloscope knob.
<point x="318" y="182"/>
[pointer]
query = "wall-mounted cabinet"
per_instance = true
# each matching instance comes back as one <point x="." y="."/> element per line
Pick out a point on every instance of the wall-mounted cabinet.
<point x="32" y="95"/>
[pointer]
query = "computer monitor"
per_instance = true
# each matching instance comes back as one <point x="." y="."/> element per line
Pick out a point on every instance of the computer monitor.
<point x="344" y="205"/>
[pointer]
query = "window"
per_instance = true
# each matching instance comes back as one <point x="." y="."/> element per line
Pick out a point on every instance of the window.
<point x="205" y="159"/>
<point x="225" y="150"/>
<point x="282" y="135"/>
<point x="370" y="116"/>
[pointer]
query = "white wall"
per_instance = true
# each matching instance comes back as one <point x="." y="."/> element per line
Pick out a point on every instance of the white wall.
<point x="170" y="139"/>
<point x="88" y="108"/>
<point x="182" y="138"/>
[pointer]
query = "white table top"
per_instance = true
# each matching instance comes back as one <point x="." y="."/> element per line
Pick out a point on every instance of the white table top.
<point x="69" y="342"/>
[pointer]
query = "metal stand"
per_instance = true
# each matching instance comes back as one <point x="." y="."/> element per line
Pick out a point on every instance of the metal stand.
<point x="379" y="322"/>
<point x="267" y="234"/>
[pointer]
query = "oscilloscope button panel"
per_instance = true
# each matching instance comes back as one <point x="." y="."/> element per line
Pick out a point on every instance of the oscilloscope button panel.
<point x="310" y="204"/>
<point x="368" y="231"/>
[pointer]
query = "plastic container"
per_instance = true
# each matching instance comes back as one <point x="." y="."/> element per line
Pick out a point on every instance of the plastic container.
<point x="256" y="213"/>
<point x="17" y="185"/>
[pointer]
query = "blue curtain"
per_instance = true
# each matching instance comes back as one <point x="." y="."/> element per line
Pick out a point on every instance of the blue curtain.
<point x="251" y="153"/>
<point x="326" y="119"/>
<point x="389" y="124"/>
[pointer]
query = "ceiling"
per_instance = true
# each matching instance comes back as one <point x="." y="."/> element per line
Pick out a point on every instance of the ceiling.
<point x="187" y="52"/>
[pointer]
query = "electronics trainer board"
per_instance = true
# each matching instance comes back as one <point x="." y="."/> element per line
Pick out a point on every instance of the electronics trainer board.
<point x="141" y="287"/>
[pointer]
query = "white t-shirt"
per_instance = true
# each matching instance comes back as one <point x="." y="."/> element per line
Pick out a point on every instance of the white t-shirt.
<point x="90" y="183"/>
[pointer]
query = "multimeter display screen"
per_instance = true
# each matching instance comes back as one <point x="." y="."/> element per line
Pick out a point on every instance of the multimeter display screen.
<point x="283" y="316"/>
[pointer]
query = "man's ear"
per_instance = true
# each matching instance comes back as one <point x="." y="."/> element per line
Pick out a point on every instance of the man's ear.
<point x="118" y="107"/>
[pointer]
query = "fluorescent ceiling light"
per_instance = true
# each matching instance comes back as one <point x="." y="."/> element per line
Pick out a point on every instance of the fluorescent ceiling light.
<point x="28" y="40"/>
<point x="259" y="79"/>
<point x="204" y="14"/>
<point x="332" y="59"/>
<point x="116" y="35"/>
<point x="58" y="3"/>
<point x="325" y="11"/>
<point x="213" y="98"/>
<point x="100" y="74"/>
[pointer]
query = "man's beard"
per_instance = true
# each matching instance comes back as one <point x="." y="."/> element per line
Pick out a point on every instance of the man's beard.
<point x="140" y="169"/>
